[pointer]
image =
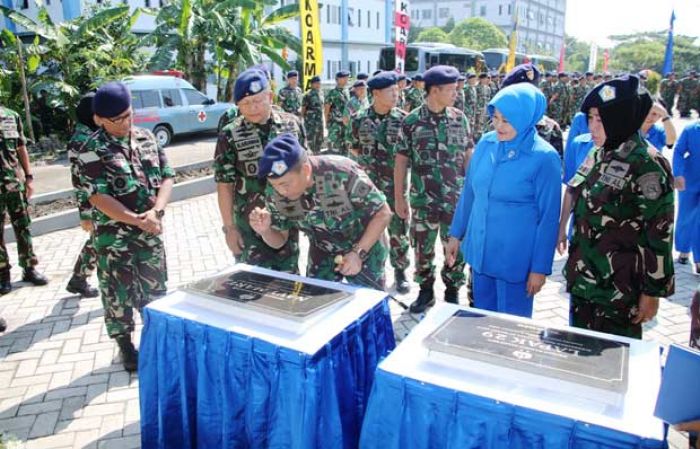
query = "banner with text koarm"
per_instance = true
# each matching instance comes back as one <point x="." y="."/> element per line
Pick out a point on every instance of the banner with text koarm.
<point x="402" y="22"/>
<point x="312" y="47"/>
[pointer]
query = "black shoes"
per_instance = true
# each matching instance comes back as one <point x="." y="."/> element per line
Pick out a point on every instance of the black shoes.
<point x="452" y="295"/>
<point x="426" y="298"/>
<point x="683" y="259"/>
<point x="130" y="356"/>
<point x="5" y="284"/>
<point x="402" y="285"/>
<point x="80" y="286"/>
<point x="3" y="324"/>
<point x="34" y="277"/>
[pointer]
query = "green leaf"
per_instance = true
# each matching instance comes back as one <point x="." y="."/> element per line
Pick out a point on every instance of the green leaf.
<point x="33" y="62"/>
<point x="275" y="57"/>
<point x="24" y="21"/>
<point x="101" y="19"/>
<point x="186" y="21"/>
<point x="282" y="14"/>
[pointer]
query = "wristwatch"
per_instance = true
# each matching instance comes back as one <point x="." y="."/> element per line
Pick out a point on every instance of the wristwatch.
<point x="29" y="177"/>
<point x="667" y="118"/>
<point x="159" y="213"/>
<point x="361" y="253"/>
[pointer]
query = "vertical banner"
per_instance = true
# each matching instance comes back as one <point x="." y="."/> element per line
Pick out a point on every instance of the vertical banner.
<point x="513" y="43"/>
<point x="593" y="57"/>
<point x="668" y="57"/>
<point x="402" y="22"/>
<point x="606" y="60"/>
<point x="562" y="56"/>
<point x="311" y="45"/>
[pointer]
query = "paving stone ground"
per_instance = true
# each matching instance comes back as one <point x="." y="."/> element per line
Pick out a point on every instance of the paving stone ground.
<point x="61" y="381"/>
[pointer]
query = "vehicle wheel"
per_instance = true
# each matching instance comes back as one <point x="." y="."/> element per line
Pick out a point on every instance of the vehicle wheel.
<point x="163" y="135"/>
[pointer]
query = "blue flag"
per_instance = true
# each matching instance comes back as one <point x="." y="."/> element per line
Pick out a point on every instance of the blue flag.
<point x="668" y="59"/>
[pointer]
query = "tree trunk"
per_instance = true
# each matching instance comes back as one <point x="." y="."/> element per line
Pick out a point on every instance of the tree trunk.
<point x="230" y="82"/>
<point x="25" y="95"/>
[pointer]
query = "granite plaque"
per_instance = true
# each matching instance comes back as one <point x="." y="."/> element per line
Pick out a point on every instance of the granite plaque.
<point x="565" y="355"/>
<point x="287" y="298"/>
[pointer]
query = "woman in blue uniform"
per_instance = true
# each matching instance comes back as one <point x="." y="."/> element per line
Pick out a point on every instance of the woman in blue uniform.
<point x="508" y="213"/>
<point x="686" y="171"/>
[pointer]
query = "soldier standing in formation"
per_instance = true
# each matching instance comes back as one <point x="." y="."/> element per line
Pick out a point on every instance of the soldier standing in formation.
<point x="312" y="113"/>
<point x="16" y="188"/>
<point x="470" y="101"/>
<point x="459" y="102"/>
<point x="289" y="97"/>
<point x="334" y="112"/>
<point x="483" y="96"/>
<point x="437" y="143"/>
<point x="579" y="90"/>
<point x="688" y="93"/>
<point x="376" y="132"/>
<point x="127" y="179"/>
<point x="401" y="102"/>
<point x="668" y="89"/>
<point x="238" y="152"/>
<point x="414" y="95"/>
<point x="331" y="200"/>
<point x="617" y="267"/>
<point x="87" y="260"/>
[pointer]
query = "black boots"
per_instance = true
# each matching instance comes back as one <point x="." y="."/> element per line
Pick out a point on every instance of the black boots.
<point x="130" y="356"/>
<point x="80" y="286"/>
<point x="5" y="284"/>
<point x="402" y="285"/>
<point x="3" y="325"/>
<point x="34" y="277"/>
<point x="426" y="298"/>
<point x="452" y="295"/>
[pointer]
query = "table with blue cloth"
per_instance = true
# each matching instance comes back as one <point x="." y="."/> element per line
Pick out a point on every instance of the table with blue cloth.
<point x="422" y="400"/>
<point x="213" y="375"/>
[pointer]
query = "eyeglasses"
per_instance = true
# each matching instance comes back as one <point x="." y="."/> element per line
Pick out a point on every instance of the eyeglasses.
<point x="121" y="119"/>
<point x="254" y="101"/>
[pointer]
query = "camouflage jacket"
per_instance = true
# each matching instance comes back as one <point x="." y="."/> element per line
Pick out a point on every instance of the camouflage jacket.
<point x="623" y="226"/>
<point x="238" y="152"/>
<point x="80" y="136"/>
<point x="289" y="99"/>
<point x="435" y="145"/>
<point x="668" y="88"/>
<point x="689" y="86"/>
<point x="459" y="102"/>
<point x="483" y="96"/>
<point x="337" y="98"/>
<point x="375" y="138"/>
<point x="414" y="98"/>
<point x="129" y="170"/>
<point x="313" y="104"/>
<point x="355" y="105"/>
<point x="470" y="101"/>
<point x="335" y="211"/>
<point x="578" y="93"/>
<point x="11" y="172"/>
<point x="230" y="115"/>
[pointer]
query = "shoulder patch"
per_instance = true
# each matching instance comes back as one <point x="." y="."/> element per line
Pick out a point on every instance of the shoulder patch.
<point x="650" y="183"/>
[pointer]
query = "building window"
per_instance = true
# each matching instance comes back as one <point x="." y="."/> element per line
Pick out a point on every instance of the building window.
<point x="427" y="14"/>
<point x="25" y="4"/>
<point x="482" y="11"/>
<point x="377" y="20"/>
<point x="359" y="18"/>
<point x="444" y="13"/>
<point x="369" y="19"/>
<point x="510" y="9"/>
<point x="500" y="10"/>
<point x="368" y="67"/>
<point x="328" y="14"/>
<point x="147" y="3"/>
<point x="351" y="17"/>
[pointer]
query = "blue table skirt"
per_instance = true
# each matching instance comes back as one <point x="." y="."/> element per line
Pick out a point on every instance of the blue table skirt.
<point x="203" y="387"/>
<point x="407" y="414"/>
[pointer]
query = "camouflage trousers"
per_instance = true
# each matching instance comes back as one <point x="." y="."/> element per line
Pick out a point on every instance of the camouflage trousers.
<point x="257" y="252"/>
<point x="684" y="105"/>
<point x="669" y="99"/>
<point x="695" y="320"/>
<point x="87" y="259"/>
<point x="132" y="272"/>
<point x="314" y="137"/>
<point x="322" y="266"/>
<point x="611" y="319"/>
<point x="424" y="233"/>
<point x="337" y="139"/>
<point x="15" y="204"/>
<point x="398" y="235"/>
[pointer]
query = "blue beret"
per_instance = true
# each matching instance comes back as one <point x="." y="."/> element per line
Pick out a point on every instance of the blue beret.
<point x="249" y="82"/>
<point x="359" y="83"/>
<point x="376" y="72"/>
<point x="562" y="74"/>
<point x="342" y="74"/>
<point x="362" y="76"/>
<point x="418" y="77"/>
<point x="280" y="155"/>
<point x="439" y="75"/>
<point x="401" y="77"/>
<point x="292" y="74"/>
<point x="383" y="80"/>
<point x="111" y="99"/>
<point x="483" y="75"/>
<point x="263" y="68"/>
<point x="462" y="78"/>
<point x="471" y="75"/>
<point x="523" y="73"/>
<point x="316" y="79"/>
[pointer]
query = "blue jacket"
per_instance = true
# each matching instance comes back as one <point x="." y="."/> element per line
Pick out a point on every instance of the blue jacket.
<point x="508" y="213"/>
<point x="575" y="154"/>
<point x="657" y="136"/>
<point x="686" y="156"/>
<point x="579" y="125"/>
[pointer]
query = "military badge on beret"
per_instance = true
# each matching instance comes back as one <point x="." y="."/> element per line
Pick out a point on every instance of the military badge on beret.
<point x="279" y="168"/>
<point x="254" y="87"/>
<point x="607" y="93"/>
<point x="530" y="75"/>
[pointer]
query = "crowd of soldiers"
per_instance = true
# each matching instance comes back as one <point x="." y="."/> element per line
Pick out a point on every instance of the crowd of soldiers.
<point x="687" y="89"/>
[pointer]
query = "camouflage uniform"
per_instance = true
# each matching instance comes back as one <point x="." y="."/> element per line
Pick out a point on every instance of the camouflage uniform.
<point x="459" y="102"/>
<point x="131" y="266"/>
<point x="375" y="137"/>
<point x="668" y="90"/>
<point x="435" y="146"/>
<point x="548" y="90"/>
<point x="334" y="214"/>
<point x="622" y="241"/>
<point x="470" y="106"/>
<point x="414" y="98"/>
<point x="483" y="96"/>
<point x="238" y="152"/>
<point x="289" y="99"/>
<point x="337" y="98"/>
<point x="686" y="94"/>
<point x="313" y="119"/>
<point x="559" y="103"/>
<point x="12" y="190"/>
<point x="578" y="93"/>
<point x="352" y="108"/>
<point x="230" y="115"/>
<point x="87" y="259"/>
<point x="401" y="102"/>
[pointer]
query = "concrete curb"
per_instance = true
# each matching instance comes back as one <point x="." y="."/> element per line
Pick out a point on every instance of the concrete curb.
<point x="70" y="218"/>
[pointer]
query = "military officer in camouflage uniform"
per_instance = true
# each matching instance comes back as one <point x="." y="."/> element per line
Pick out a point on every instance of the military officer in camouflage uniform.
<point x="459" y="102"/>
<point x="483" y="96"/>
<point x="16" y="181"/>
<point x="376" y="132"/>
<point x="358" y="102"/>
<point x="578" y="93"/>
<point x="334" y="112"/>
<point x="289" y="97"/>
<point x="312" y="112"/>
<point x="127" y="179"/>
<point x="559" y="101"/>
<point x="620" y="259"/>
<point x="401" y="103"/>
<point x="415" y="93"/>
<point x="668" y="90"/>
<point x="686" y="93"/>
<point x="437" y="143"/>
<point x="331" y="200"/>
<point x="238" y="152"/>
<point x="87" y="259"/>
<point x="470" y="101"/>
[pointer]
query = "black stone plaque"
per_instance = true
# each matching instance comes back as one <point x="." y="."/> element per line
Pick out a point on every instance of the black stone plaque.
<point x="565" y="355"/>
<point x="293" y="299"/>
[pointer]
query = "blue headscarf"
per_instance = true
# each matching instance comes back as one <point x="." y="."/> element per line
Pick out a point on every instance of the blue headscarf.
<point x="523" y="105"/>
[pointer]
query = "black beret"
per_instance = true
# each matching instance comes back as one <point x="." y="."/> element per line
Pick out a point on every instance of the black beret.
<point x="483" y="75"/>
<point x="524" y="73"/>
<point x="589" y="73"/>
<point x="111" y="99"/>
<point x="439" y="75"/>
<point x="250" y="82"/>
<point x="316" y="79"/>
<point x="342" y="74"/>
<point x="383" y="80"/>
<point x="280" y="155"/>
<point x="562" y="74"/>
<point x="418" y="77"/>
<point x="292" y="74"/>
